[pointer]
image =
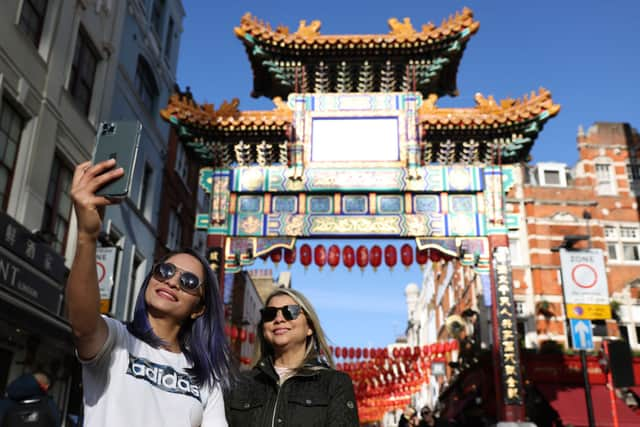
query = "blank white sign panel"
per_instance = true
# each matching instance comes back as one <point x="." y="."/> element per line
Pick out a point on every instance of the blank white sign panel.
<point x="355" y="139"/>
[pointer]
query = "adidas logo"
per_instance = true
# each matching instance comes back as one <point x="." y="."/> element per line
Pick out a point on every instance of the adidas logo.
<point x="163" y="377"/>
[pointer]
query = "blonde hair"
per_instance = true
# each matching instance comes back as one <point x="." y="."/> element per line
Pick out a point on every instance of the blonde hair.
<point x="316" y="347"/>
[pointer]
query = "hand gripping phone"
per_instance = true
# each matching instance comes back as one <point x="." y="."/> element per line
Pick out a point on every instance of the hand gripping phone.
<point x="120" y="141"/>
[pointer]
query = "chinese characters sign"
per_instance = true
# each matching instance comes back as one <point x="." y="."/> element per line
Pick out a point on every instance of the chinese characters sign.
<point x="506" y="324"/>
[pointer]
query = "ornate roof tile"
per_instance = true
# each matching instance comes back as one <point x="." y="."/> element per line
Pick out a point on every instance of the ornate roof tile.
<point x="488" y="112"/>
<point x="401" y="34"/>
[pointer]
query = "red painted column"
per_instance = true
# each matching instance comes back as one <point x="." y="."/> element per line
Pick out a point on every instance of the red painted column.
<point x="215" y="244"/>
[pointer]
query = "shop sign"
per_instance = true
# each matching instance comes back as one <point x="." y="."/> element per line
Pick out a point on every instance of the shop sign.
<point x="22" y="243"/>
<point x="105" y="268"/>
<point x="21" y="279"/>
<point x="506" y="324"/>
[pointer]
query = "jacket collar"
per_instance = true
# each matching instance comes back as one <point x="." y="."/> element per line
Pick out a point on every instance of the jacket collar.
<point x="265" y="366"/>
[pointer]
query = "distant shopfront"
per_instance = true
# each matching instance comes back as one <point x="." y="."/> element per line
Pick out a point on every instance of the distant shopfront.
<point x="33" y="334"/>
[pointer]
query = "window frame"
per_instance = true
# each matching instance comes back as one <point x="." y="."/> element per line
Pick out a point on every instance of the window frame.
<point x="51" y="214"/>
<point x="7" y="134"/>
<point x="146" y="84"/>
<point x="85" y="49"/>
<point x="40" y="15"/>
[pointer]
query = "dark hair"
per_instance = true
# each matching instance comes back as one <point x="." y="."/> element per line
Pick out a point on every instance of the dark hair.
<point x="201" y="340"/>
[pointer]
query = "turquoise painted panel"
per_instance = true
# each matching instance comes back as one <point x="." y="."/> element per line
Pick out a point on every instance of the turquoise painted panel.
<point x="462" y="203"/>
<point x="390" y="204"/>
<point x="355" y="204"/>
<point x="284" y="204"/>
<point x="320" y="204"/>
<point x="426" y="203"/>
<point x="251" y="204"/>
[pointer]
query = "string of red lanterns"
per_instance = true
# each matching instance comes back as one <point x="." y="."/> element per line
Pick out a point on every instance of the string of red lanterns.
<point x="362" y="256"/>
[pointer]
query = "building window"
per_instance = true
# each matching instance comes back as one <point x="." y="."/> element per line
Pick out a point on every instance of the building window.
<point x="610" y="232"/>
<point x="168" y="40"/>
<point x="32" y="19"/>
<point x="633" y="172"/>
<point x="146" y="85"/>
<point x="628" y="233"/>
<point x="145" y="189"/>
<point x="83" y="71"/>
<point x="11" y="125"/>
<point x="612" y="250"/>
<point x="551" y="177"/>
<point x="604" y="179"/>
<point x="57" y="208"/>
<point x="174" y="236"/>
<point x="156" y="16"/>
<point x="182" y="165"/>
<point x="514" y="249"/>
<point x="630" y="252"/>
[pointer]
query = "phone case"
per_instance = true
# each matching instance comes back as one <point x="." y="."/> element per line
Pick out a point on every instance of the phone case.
<point x="120" y="141"/>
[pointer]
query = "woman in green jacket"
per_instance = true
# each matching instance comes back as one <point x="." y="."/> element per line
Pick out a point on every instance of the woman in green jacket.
<point x="294" y="382"/>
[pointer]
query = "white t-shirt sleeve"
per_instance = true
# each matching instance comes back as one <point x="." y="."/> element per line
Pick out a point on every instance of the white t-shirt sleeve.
<point x="214" y="415"/>
<point x="115" y="334"/>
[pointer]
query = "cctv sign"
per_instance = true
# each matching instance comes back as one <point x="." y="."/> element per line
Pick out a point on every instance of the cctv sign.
<point x="584" y="282"/>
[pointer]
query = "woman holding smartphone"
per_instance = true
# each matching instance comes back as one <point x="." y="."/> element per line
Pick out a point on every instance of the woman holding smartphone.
<point x="168" y="367"/>
<point x="294" y="382"/>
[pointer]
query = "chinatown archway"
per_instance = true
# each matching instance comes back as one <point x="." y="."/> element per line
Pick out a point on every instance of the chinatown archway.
<point x="360" y="150"/>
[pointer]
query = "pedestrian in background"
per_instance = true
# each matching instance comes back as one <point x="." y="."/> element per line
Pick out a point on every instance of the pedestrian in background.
<point x="408" y="417"/>
<point x="168" y="366"/>
<point x="27" y="403"/>
<point x="294" y="381"/>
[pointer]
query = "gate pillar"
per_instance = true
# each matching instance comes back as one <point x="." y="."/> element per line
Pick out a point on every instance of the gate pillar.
<point x="505" y="351"/>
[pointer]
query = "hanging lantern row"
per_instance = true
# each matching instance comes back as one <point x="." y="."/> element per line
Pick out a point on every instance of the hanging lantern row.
<point x="362" y="256"/>
<point x="431" y="350"/>
<point x="239" y="334"/>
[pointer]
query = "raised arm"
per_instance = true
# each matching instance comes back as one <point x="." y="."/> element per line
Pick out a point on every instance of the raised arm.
<point x="82" y="294"/>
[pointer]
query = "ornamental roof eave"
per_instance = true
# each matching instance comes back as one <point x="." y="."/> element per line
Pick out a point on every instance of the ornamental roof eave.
<point x="518" y="121"/>
<point x="402" y="33"/>
<point x="283" y="62"/>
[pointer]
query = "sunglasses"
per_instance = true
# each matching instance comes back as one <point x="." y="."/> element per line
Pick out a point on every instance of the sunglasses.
<point x="289" y="312"/>
<point x="163" y="271"/>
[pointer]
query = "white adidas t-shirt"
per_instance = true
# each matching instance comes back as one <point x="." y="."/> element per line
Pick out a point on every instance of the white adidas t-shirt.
<point x="130" y="383"/>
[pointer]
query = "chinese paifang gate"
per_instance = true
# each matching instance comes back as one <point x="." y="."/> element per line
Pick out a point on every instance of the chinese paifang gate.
<point x="356" y="146"/>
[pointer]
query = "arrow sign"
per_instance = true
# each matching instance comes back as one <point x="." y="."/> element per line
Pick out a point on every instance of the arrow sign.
<point x="581" y="334"/>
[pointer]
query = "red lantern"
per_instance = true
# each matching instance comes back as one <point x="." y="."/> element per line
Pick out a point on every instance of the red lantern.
<point x="358" y="353"/>
<point x="276" y="256"/>
<point x="434" y="255"/>
<point x="421" y="258"/>
<point x="320" y="256"/>
<point x="243" y="335"/>
<point x="390" y="256"/>
<point x="344" y="353"/>
<point x="425" y="351"/>
<point x="433" y="349"/>
<point x="406" y="255"/>
<point x="376" y="257"/>
<point x="365" y="353"/>
<point x="396" y="353"/>
<point x="352" y="353"/>
<point x="334" y="256"/>
<point x="362" y="257"/>
<point x="234" y="333"/>
<point x="337" y="351"/>
<point x="305" y="255"/>
<point x="348" y="257"/>
<point x="440" y="348"/>
<point x="289" y="257"/>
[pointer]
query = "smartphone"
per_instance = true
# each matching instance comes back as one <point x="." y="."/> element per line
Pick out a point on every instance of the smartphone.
<point x="120" y="141"/>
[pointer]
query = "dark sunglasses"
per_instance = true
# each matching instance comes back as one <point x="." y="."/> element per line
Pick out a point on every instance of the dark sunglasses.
<point x="163" y="271"/>
<point x="289" y="312"/>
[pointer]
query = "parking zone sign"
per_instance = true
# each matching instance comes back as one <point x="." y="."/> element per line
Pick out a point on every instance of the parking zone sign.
<point x="584" y="283"/>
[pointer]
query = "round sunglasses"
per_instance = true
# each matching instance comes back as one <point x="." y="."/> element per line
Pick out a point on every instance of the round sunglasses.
<point x="289" y="312"/>
<point x="163" y="271"/>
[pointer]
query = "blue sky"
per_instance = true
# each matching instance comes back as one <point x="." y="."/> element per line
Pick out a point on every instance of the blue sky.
<point x="586" y="53"/>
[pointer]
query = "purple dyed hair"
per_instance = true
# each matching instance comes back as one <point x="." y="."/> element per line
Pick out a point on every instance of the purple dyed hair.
<point x="201" y="340"/>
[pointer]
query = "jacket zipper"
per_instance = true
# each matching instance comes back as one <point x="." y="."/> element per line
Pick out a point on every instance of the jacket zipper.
<point x="275" y="407"/>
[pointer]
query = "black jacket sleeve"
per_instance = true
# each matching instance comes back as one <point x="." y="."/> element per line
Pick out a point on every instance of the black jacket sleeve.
<point x="342" y="410"/>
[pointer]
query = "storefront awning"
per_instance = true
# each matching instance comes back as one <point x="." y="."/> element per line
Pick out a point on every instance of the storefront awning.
<point x="570" y="403"/>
